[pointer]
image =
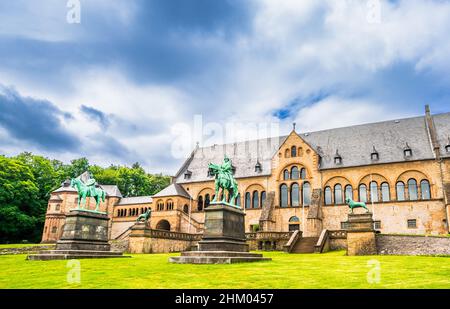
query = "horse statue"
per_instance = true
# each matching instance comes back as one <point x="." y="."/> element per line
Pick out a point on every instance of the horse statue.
<point x="224" y="180"/>
<point x="88" y="190"/>
<point x="146" y="216"/>
<point x="352" y="204"/>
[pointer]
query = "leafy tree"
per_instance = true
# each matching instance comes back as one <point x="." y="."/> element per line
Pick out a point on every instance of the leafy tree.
<point x="27" y="180"/>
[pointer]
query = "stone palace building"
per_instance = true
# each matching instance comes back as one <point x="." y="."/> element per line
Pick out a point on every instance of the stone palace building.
<point x="400" y="168"/>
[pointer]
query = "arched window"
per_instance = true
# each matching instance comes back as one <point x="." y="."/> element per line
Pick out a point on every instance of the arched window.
<point x="286" y="175"/>
<point x="294" y="173"/>
<point x="293" y="151"/>
<point x="295" y="195"/>
<point x="338" y="199"/>
<point x="248" y="200"/>
<point x="412" y="190"/>
<point x="328" y="196"/>
<point x="238" y="200"/>
<point x="400" y="188"/>
<point x="373" y="192"/>
<point x="294" y="223"/>
<point x="349" y="192"/>
<point x="160" y="206"/>
<point x="263" y="198"/>
<point x="425" y="190"/>
<point x="255" y="199"/>
<point x="169" y="205"/>
<point x="200" y="203"/>
<point x="385" y="193"/>
<point x="303" y="173"/>
<point x="306" y="190"/>
<point x="363" y="193"/>
<point x="283" y="195"/>
<point x="57" y="207"/>
<point x="207" y="200"/>
<point x="186" y="209"/>
<point x="286" y="153"/>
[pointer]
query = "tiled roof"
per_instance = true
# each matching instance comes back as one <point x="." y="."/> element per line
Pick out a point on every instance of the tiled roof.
<point x="135" y="200"/>
<point x="354" y="143"/>
<point x="172" y="190"/>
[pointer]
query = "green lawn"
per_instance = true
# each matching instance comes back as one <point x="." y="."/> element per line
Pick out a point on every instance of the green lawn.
<point x="329" y="270"/>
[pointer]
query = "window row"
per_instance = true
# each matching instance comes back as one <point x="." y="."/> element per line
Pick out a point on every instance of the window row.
<point x="253" y="200"/>
<point x="294" y="173"/>
<point x="293" y="152"/>
<point x="131" y="212"/>
<point x="160" y="205"/>
<point x="376" y="193"/>
<point x="295" y="195"/>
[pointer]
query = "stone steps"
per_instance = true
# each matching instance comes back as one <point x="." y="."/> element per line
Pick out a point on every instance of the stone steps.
<point x="222" y="254"/>
<point x="305" y="245"/>
<point x="217" y="257"/>
<point x="48" y="257"/>
<point x="74" y="254"/>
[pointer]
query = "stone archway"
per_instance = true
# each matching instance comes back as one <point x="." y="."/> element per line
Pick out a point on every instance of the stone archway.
<point x="163" y="225"/>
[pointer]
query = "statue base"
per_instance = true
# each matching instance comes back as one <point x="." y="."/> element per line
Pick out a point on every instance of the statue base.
<point x="223" y="240"/>
<point x="361" y="235"/>
<point x="85" y="235"/>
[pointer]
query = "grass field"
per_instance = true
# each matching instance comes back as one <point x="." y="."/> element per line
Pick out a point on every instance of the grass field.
<point x="329" y="270"/>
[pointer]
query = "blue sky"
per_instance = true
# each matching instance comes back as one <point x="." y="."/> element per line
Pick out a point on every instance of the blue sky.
<point x="116" y="86"/>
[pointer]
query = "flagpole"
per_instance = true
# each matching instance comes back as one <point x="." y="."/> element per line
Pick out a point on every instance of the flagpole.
<point x="190" y="208"/>
<point x="371" y="199"/>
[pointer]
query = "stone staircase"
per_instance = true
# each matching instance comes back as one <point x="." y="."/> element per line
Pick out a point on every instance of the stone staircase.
<point x="305" y="245"/>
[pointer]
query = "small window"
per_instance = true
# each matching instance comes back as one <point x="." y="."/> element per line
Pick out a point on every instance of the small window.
<point x="344" y="225"/>
<point x="303" y="173"/>
<point x="374" y="156"/>
<point x="210" y="173"/>
<point x="337" y="158"/>
<point x="186" y="209"/>
<point x="285" y="175"/>
<point x="447" y="148"/>
<point x="54" y="229"/>
<point x="293" y="151"/>
<point x="328" y="197"/>
<point x="57" y="207"/>
<point x="248" y="200"/>
<point x="188" y="174"/>
<point x="377" y="225"/>
<point x="169" y="205"/>
<point x="425" y="190"/>
<point x="412" y="223"/>
<point x="258" y="167"/>
<point x="295" y="173"/>
<point x="407" y="151"/>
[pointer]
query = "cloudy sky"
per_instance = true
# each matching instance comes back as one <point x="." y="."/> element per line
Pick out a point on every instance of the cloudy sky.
<point x="134" y="78"/>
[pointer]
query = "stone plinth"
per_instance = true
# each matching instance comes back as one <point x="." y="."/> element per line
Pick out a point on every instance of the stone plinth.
<point x="224" y="229"/>
<point x="223" y="240"/>
<point x="361" y="235"/>
<point x="85" y="235"/>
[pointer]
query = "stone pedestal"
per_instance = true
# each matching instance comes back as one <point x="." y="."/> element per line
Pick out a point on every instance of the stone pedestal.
<point x="223" y="240"/>
<point x="361" y="235"/>
<point x="85" y="235"/>
<point x="224" y="229"/>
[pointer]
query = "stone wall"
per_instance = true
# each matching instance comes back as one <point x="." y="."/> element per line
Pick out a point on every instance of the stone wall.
<point x="412" y="245"/>
<point x="144" y="240"/>
<point x="26" y="250"/>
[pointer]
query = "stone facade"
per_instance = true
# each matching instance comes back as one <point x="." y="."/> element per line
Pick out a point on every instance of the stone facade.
<point x="412" y="245"/>
<point x="420" y="210"/>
